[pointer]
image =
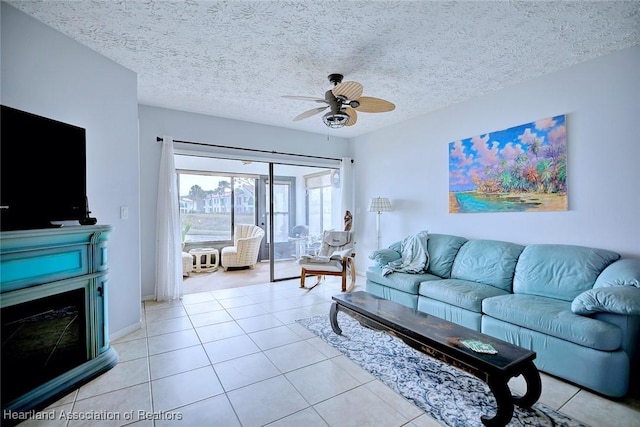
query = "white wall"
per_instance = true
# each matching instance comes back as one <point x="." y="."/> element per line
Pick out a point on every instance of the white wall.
<point x="155" y="121"/>
<point x="46" y="73"/>
<point x="409" y="162"/>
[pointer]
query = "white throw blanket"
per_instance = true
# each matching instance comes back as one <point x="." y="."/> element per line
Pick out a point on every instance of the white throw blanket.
<point x="415" y="257"/>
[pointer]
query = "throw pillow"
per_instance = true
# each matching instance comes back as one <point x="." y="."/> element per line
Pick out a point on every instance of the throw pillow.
<point x="624" y="272"/>
<point x="618" y="300"/>
<point x="397" y="246"/>
<point x="383" y="257"/>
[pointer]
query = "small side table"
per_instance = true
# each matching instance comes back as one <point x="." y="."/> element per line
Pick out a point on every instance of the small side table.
<point x="206" y="259"/>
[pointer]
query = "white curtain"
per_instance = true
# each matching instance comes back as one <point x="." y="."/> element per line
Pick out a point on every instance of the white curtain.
<point x="346" y="179"/>
<point x="168" y="236"/>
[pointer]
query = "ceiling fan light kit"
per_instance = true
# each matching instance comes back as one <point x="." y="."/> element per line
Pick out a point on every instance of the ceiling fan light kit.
<point x="336" y="120"/>
<point x="344" y="100"/>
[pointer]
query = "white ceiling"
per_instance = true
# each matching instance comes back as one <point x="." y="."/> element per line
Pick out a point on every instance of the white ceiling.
<point x="236" y="59"/>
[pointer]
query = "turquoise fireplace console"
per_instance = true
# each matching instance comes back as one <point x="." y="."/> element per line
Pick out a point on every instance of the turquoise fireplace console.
<point x="53" y="302"/>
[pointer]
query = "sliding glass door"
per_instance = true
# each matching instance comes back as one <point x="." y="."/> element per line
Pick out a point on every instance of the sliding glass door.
<point x="280" y="206"/>
<point x="304" y="204"/>
<point x="294" y="204"/>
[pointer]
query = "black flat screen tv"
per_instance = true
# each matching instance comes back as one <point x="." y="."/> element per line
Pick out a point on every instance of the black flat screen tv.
<point x="42" y="171"/>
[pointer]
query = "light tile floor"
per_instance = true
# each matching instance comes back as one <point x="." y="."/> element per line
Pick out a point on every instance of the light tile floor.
<point x="236" y="357"/>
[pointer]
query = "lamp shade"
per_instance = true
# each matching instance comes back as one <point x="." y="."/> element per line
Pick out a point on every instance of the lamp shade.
<point x="380" y="204"/>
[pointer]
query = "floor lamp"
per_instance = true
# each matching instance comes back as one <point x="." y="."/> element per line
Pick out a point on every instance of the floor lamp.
<point x="379" y="205"/>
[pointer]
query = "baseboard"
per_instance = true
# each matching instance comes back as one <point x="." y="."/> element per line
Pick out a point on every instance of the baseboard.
<point x="125" y="331"/>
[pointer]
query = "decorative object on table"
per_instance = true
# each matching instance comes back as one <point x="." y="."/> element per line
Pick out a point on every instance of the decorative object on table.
<point x="523" y="168"/>
<point x="344" y="99"/>
<point x="379" y="205"/>
<point x="479" y="346"/>
<point x="446" y="394"/>
<point x="348" y="221"/>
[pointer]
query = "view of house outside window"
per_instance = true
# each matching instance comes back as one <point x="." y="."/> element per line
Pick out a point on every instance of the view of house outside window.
<point x="212" y="202"/>
<point x="206" y="205"/>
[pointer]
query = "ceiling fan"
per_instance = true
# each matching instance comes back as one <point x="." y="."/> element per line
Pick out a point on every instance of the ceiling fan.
<point x="343" y="100"/>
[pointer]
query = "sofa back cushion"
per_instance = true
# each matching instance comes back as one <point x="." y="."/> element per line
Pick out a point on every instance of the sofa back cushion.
<point x="443" y="249"/>
<point x="559" y="271"/>
<point x="624" y="272"/>
<point x="487" y="261"/>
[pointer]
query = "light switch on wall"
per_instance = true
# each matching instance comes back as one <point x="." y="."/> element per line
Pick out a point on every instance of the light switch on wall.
<point x="124" y="212"/>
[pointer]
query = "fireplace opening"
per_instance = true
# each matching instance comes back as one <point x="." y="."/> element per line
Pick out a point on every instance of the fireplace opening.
<point x="42" y="339"/>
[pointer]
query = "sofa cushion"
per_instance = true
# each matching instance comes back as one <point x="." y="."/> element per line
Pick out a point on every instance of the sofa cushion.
<point x="383" y="257"/>
<point x="329" y="265"/>
<point x="618" y="300"/>
<point x="487" y="261"/>
<point x="460" y="293"/>
<point x="624" y="272"/>
<point x="559" y="271"/>
<point x="443" y="249"/>
<point x="397" y="246"/>
<point x="404" y="282"/>
<point x="553" y="317"/>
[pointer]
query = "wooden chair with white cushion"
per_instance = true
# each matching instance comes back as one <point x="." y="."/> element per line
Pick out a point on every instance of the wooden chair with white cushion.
<point x="245" y="249"/>
<point x="335" y="258"/>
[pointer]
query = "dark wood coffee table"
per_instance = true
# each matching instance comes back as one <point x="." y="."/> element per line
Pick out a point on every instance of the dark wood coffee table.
<point x="440" y="339"/>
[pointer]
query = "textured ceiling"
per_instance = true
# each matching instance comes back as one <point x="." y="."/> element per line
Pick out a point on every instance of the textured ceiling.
<point x="236" y="59"/>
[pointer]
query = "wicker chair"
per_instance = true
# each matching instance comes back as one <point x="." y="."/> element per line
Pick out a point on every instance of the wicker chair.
<point x="334" y="259"/>
<point x="246" y="245"/>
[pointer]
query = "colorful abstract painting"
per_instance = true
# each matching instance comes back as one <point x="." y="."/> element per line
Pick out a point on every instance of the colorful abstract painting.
<point x="523" y="168"/>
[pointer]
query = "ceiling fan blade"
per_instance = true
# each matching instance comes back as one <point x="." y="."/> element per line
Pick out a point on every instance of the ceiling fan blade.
<point x="304" y="98"/>
<point x="309" y="113"/>
<point x="350" y="90"/>
<point x="353" y="116"/>
<point x="369" y="104"/>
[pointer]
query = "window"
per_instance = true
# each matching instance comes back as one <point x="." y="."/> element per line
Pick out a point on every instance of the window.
<point x="206" y="211"/>
<point x="319" y="201"/>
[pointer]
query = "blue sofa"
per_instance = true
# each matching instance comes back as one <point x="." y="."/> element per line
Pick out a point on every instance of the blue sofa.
<point x="578" y="308"/>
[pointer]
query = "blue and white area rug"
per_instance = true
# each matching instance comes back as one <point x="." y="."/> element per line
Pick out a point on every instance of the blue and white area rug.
<point x="445" y="393"/>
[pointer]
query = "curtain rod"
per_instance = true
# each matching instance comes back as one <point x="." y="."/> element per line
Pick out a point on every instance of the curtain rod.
<point x="255" y="150"/>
